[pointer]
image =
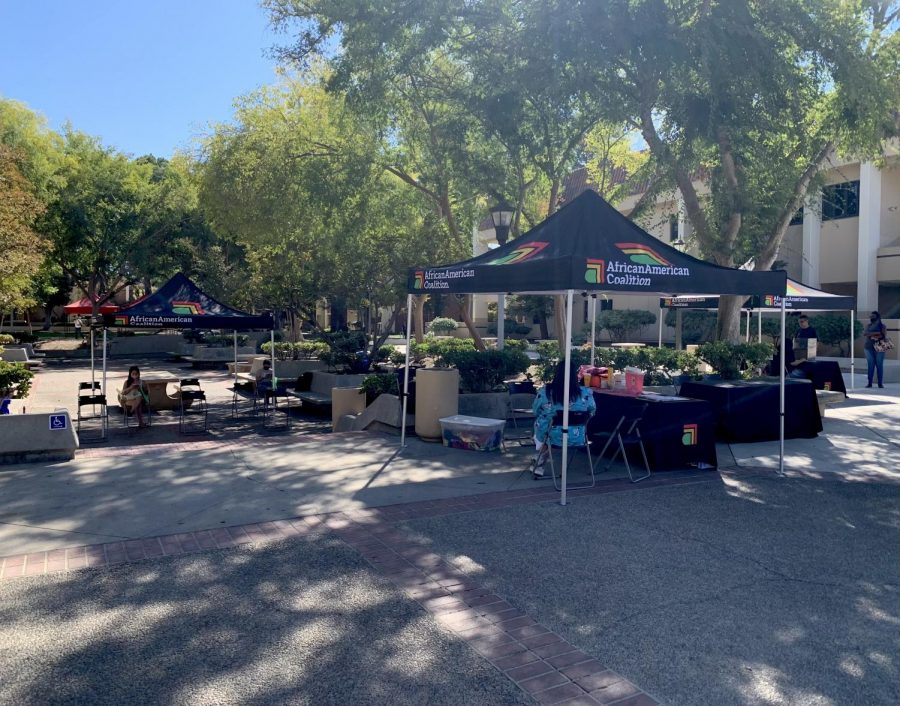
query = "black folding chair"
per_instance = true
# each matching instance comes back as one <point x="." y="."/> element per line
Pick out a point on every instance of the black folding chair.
<point x="130" y="414"/>
<point x="95" y="402"/>
<point x="627" y="432"/>
<point x="576" y="419"/>
<point x="193" y="403"/>
<point x="521" y="396"/>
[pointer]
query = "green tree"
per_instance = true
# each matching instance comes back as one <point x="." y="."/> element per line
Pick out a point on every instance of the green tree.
<point x="619" y="323"/>
<point x="96" y="221"/>
<point x="22" y="248"/>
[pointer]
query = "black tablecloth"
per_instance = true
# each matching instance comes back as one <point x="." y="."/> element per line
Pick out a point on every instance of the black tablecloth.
<point x="825" y="375"/>
<point x="748" y="410"/>
<point x="677" y="434"/>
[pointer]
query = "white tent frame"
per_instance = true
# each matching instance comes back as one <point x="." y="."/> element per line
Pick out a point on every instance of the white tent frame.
<point x="570" y="294"/>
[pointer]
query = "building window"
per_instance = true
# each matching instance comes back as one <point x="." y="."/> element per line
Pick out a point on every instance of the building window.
<point x="798" y="218"/>
<point x="840" y="201"/>
<point x="673" y="228"/>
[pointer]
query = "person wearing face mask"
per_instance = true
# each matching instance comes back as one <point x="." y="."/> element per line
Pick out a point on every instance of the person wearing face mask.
<point x="875" y="331"/>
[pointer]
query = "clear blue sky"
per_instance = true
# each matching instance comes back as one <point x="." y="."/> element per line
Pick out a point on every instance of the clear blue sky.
<point x="146" y="76"/>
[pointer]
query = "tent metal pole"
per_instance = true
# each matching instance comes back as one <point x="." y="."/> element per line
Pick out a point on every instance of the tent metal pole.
<point x="104" y="363"/>
<point x="659" y="342"/>
<point x="852" y="351"/>
<point x="501" y="320"/>
<point x="566" y="386"/>
<point x="593" y="326"/>
<point x="759" y="325"/>
<point x="92" y="356"/>
<point x="781" y="394"/>
<point x="406" y="372"/>
<point x="272" y="352"/>
<point x="235" y="358"/>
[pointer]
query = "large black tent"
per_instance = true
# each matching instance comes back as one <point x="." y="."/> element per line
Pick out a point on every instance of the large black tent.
<point x="180" y="303"/>
<point x="588" y="246"/>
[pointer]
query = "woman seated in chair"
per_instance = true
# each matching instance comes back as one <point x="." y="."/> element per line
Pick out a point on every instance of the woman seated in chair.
<point x="134" y="395"/>
<point x="547" y="402"/>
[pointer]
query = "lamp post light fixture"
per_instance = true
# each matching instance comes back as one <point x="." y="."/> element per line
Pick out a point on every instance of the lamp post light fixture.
<point x="501" y="217"/>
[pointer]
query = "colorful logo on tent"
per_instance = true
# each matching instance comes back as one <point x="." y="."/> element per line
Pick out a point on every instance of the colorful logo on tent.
<point x="187" y="308"/>
<point x="643" y="254"/>
<point x="689" y="435"/>
<point x="769" y="300"/>
<point x="827" y="385"/>
<point x="419" y="280"/>
<point x="520" y="254"/>
<point x="120" y="321"/>
<point x="595" y="272"/>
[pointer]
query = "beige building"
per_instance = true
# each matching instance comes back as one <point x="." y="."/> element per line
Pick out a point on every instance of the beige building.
<point x="846" y="240"/>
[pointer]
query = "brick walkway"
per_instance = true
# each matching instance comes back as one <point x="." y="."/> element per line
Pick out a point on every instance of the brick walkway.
<point x="538" y="660"/>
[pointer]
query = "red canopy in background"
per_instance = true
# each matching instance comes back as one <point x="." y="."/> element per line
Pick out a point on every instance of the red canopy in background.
<point x="85" y="308"/>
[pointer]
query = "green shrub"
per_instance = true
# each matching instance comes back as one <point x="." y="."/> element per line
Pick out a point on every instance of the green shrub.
<point x="516" y="344"/>
<point x="309" y="350"/>
<point x="374" y="385"/>
<point x="731" y="359"/>
<point x="511" y="327"/>
<point x="485" y="371"/>
<point x="15" y="380"/>
<point x="696" y="326"/>
<point x="6" y="338"/>
<point x="223" y="340"/>
<point x="442" y="326"/>
<point x="437" y="347"/>
<point x="834" y="330"/>
<point x="284" y="350"/>
<point x="343" y="348"/>
<point x="398" y="357"/>
<point x="384" y="353"/>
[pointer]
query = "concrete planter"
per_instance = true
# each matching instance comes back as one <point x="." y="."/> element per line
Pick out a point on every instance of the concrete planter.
<point x="295" y="368"/>
<point x="437" y="396"/>
<point x="492" y="405"/>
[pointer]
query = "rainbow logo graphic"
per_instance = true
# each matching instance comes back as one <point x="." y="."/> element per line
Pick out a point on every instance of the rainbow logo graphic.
<point x="769" y="300"/>
<point x="120" y="321"/>
<point x="689" y="435"/>
<point x="419" y="281"/>
<point x="595" y="272"/>
<point x="524" y="252"/>
<point x="643" y="255"/>
<point x="187" y="308"/>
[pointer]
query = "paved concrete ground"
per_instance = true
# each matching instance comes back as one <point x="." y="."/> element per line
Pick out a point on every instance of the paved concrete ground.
<point x="751" y="589"/>
<point x="755" y="590"/>
<point x="298" y="622"/>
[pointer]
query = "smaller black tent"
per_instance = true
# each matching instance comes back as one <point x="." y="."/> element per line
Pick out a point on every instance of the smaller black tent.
<point x="180" y="303"/>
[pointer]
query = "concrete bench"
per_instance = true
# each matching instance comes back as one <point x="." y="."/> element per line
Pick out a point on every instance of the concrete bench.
<point x="217" y="356"/>
<point x="319" y="393"/>
<point x="18" y="355"/>
<point x="827" y="398"/>
<point x="27" y="347"/>
<point x="30" y="438"/>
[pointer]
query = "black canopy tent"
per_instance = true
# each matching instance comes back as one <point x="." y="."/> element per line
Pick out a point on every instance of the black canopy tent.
<point x="799" y="296"/>
<point x="587" y="246"/>
<point x="179" y="303"/>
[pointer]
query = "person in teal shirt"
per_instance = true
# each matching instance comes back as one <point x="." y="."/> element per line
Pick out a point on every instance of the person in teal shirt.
<point x="548" y="401"/>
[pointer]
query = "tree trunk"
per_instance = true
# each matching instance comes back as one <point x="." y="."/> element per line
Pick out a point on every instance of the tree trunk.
<point x="559" y="320"/>
<point x="728" y="326"/>
<point x="462" y="305"/>
<point x="419" y="317"/>
<point x="542" y="322"/>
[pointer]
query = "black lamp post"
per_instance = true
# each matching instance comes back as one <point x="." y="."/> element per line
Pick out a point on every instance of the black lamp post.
<point x="501" y="216"/>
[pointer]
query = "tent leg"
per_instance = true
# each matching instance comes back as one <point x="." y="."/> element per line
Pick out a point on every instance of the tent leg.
<point x="567" y="384"/>
<point x="593" y="326"/>
<point x="104" y="362"/>
<point x="409" y="300"/>
<point x="272" y="352"/>
<point x="235" y="358"/>
<point x="92" y="354"/>
<point x="759" y="326"/>
<point x="679" y="342"/>
<point x="781" y="395"/>
<point x="501" y="321"/>
<point x="852" y="352"/>
<point x="659" y="342"/>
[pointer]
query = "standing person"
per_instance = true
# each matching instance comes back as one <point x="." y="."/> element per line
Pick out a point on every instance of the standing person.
<point x="133" y="394"/>
<point x="550" y="399"/>
<point x="797" y="366"/>
<point x="875" y="331"/>
<point x="78" y="325"/>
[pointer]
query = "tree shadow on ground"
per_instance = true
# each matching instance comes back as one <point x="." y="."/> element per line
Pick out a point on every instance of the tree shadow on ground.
<point x="301" y="621"/>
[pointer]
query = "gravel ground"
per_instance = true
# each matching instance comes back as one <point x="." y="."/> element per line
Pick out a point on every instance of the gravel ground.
<point x="754" y="591"/>
<point x="297" y="622"/>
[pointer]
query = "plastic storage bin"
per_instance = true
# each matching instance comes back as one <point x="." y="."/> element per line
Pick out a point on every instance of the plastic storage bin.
<point x="634" y="381"/>
<point x="472" y="433"/>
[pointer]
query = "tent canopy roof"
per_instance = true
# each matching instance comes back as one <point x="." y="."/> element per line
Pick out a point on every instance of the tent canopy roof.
<point x="799" y="296"/>
<point x="587" y="245"/>
<point x="84" y="306"/>
<point x="180" y="303"/>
